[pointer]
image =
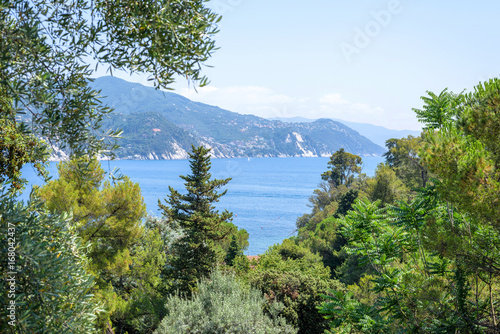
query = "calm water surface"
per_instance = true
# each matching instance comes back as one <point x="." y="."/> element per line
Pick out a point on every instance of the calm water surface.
<point x="266" y="195"/>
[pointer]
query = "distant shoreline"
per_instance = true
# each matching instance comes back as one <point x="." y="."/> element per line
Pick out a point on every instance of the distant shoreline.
<point x="66" y="158"/>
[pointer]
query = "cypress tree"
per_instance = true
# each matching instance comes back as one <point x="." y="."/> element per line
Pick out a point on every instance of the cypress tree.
<point x="195" y="253"/>
<point x="233" y="251"/>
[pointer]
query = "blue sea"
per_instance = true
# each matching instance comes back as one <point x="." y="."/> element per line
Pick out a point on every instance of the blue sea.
<point x="266" y="195"/>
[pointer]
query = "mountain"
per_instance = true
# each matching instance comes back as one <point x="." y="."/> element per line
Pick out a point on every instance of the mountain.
<point x="377" y="134"/>
<point x="163" y="125"/>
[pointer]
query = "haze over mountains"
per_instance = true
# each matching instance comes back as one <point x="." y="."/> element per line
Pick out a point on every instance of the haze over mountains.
<point x="377" y="134"/>
<point x="163" y="125"/>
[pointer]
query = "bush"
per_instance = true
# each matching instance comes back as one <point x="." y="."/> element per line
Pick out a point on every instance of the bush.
<point x="52" y="289"/>
<point x="294" y="276"/>
<point x="221" y="305"/>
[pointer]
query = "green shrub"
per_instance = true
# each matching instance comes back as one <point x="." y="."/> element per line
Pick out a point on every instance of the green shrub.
<point x="294" y="276"/>
<point x="52" y="288"/>
<point x="222" y="305"/>
<point x="241" y="265"/>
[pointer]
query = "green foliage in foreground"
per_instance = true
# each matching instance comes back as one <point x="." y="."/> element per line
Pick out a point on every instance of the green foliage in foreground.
<point x="292" y="275"/>
<point x="125" y="256"/>
<point x="425" y="230"/>
<point x="106" y="214"/>
<point x="423" y="280"/>
<point x="44" y="73"/>
<point x="462" y="148"/>
<point x="394" y="180"/>
<point x="18" y="147"/>
<point x="221" y="305"/>
<point x="52" y="287"/>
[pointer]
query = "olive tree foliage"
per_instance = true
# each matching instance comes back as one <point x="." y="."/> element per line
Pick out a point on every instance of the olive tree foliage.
<point x="17" y="146"/>
<point x="45" y="256"/>
<point x="221" y="305"/>
<point x="48" y="51"/>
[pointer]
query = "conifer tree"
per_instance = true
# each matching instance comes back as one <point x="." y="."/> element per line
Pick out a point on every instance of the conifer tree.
<point x="123" y="254"/>
<point x="233" y="251"/>
<point x="195" y="253"/>
<point x="108" y="215"/>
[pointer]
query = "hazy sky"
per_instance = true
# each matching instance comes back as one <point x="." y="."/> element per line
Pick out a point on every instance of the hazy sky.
<point x="362" y="61"/>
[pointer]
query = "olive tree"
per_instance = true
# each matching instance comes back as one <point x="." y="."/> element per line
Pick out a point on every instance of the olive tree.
<point x="45" y="286"/>
<point x="49" y="51"/>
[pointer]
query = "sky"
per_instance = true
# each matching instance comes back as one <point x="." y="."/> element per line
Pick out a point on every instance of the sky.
<point x="360" y="61"/>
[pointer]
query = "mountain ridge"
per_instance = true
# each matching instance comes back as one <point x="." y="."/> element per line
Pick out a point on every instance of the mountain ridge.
<point x="163" y="125"/>
<point x="376" y="133"/>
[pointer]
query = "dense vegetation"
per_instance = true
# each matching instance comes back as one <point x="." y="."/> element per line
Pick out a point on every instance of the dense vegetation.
<point x="416" y="248"/>
<point x="222" y="305"/>
<point x="418" y="245"/>
<point x="44" y="74"/>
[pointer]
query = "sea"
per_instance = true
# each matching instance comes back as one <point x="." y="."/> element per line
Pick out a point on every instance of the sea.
<point x="266" y="195"/>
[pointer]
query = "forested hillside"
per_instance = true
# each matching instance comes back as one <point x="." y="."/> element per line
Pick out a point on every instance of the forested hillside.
<point x="163" y="125"/>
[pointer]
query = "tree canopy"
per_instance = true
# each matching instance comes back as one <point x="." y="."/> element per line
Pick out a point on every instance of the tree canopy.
<point x="125" y="257"/>
<point x="403" y="156"/>
<point x="433" y="259"/>
<point x="107" y="215"/>
<point x="50" y="50"/>
<point x="343" y="167"/>
<point x="222" y="305"/>
<point x="46" y="287"/>
<point x="204" y="228"/>
<point x="464" y="153"/>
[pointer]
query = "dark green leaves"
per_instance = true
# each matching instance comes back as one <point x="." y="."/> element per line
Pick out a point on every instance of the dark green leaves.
<point x="343" y="166"/>
<point x="46" y="51"/>
<point x="438" y="109"/>
<point x="205" y="229"/>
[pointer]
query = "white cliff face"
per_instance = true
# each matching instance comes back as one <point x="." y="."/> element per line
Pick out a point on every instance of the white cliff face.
<point x="305" y="153"/>
<point x="298" y="137"/>
<point x="179" y="152"/>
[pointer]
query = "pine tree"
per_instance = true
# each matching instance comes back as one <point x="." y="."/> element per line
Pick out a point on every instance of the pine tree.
<point x="343" y="166"/>
<point x="108" y="215"/>
<point x="196" y="252"/>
